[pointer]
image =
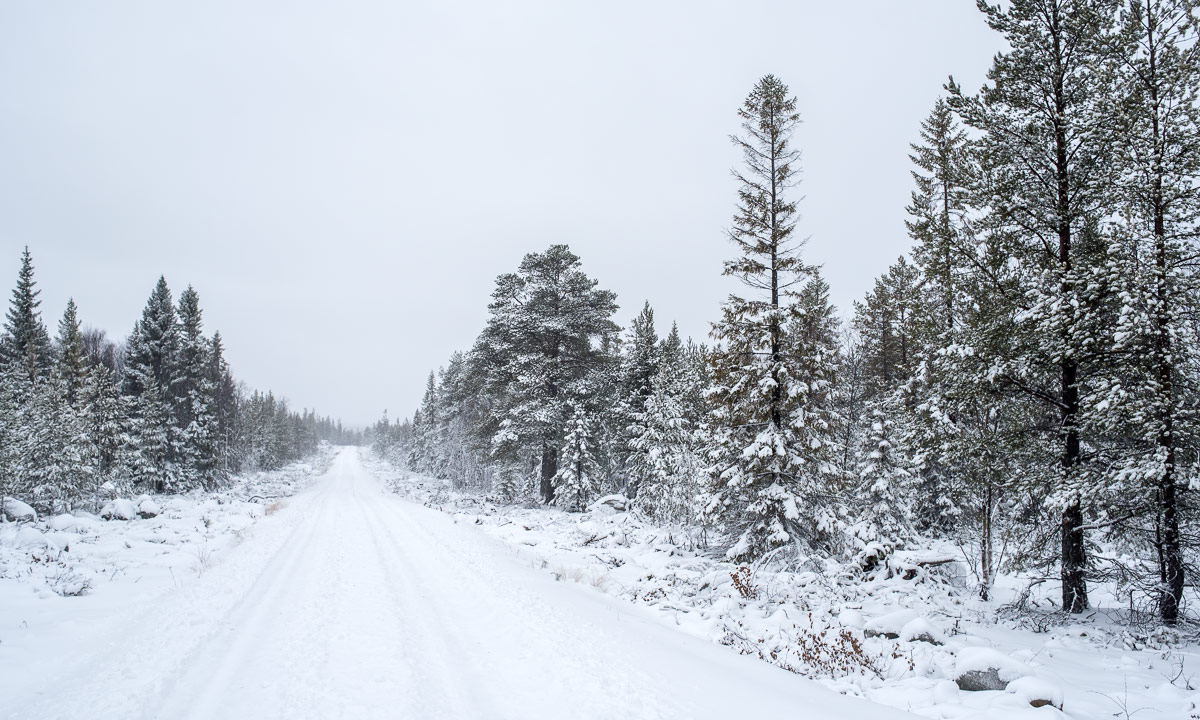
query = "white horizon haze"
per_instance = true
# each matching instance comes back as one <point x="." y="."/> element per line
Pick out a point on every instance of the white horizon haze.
<point x="342" y="182"/>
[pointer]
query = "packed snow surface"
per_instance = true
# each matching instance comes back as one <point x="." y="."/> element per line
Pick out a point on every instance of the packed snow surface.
<point x="350" y="602"/>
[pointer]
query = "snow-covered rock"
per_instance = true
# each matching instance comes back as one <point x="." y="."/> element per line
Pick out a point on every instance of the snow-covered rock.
<point x="148" y="508"/>
<point x="1037" y="692"/>
<point x="921" y="630"/>
<point x="980" y="668"/>
<point x="119" y="510"/>
<point x="889" y="626"/>
<point x="14" y="509"/>
<point x="614" y="503"/>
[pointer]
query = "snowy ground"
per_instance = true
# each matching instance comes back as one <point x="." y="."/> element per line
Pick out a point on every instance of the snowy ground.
<point x="813" y="624"/>
<point x="347" y="601"/>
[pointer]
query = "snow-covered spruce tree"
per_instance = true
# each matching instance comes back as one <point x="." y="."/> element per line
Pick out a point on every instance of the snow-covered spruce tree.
<point x="945" y="253"/>
<point x="224" y="408"/>
<point x="462" y="409"/>
<point x="769" y="475"/>
<point x="25" y="342"/>
<point x="508" y="483"/>
<point x="639" y="364"/>
<point x="1150" y="407"/>
<point x="12" y="432"/>
<point x="942" y="174"/>
<point x="148" y="462"/>
<point x="888" y="343"/>
<point x="667" y="459"/>
<point x="108" y="427"/>
<point x="887" y="325"/>
<point x="193" y="398"/>
<point x="973" y="444"/>
<point x="542" y="348"/>
<point x="149" y="379"/>
<point x="575" y="482"/>
<point x="58" y="455"/>
<point x="71" y="366"/>
<point x="1047" y="161"/>
<point x="422" y="453"/>
<point x="885" y="479"/>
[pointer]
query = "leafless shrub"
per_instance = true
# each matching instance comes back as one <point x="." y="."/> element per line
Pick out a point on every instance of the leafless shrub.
<point x="743" y="581"/>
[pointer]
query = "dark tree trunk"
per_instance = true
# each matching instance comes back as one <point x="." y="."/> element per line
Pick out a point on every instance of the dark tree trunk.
<point x="1170" y="553"/>
<point x="549" y="470"/>
<point x="1074" y="558"/>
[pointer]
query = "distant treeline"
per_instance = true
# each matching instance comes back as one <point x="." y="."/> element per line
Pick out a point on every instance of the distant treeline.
<point x="84" y="418"/>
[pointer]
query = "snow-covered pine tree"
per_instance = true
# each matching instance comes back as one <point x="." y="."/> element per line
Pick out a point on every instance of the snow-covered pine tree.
<point x="1156" y="60"/>
<point x="25" y="342"/>
<point x="1045" y="143"/>
<point x="542" y="348"/>
<point x="575" y="481"/>
<point x="766" y="473"/>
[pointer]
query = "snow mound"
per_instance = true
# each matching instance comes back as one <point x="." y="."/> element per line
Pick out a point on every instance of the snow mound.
<point x="119" y="510"/>
<point x="28" y="538"/>
<point x="148" y="508"/>
<point x="17" y="510"/>
<point x="1037" y="692"/>
<point x="980" y="668"/>
<point x="66" y="521"/>
<point x="851" y="618"/>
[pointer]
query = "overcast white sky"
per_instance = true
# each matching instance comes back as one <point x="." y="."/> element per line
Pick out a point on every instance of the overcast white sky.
<point x="342" y="181"/>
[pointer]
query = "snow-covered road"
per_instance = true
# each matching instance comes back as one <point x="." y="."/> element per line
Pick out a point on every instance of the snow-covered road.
<point x="353" y="603"/>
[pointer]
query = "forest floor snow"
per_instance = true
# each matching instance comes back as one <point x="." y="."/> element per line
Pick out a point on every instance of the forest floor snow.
<point x="75" y="588"/>
<point x="866" y="637"/>
<point x="348" y="602"/>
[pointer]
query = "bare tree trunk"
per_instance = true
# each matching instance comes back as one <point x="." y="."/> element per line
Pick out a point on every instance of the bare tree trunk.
<point x="985" y="545"/>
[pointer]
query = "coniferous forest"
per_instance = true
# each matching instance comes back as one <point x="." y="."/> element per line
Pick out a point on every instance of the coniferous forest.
<point x="1022" y="382"/>
<point x="85" y="419"/>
